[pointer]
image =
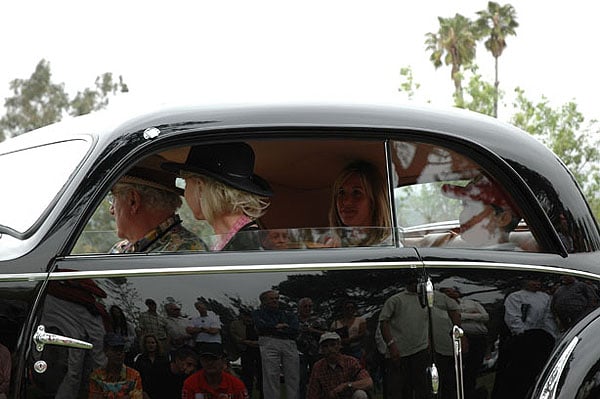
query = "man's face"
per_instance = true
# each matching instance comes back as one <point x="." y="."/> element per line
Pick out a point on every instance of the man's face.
<point x="115" y="355"/>
<point x="151" y="306"/>
<point x="272" y="300"/>
<point x="533" y="285"/>
<point x="173" y="310"/>
<point x="120" y="209"/>
<point x="330" y="348"/>
<point x="201" y="308"/>
<point x="277" y="239"/>
<point x="306" y="307"/>
<point x="212" y="364"/>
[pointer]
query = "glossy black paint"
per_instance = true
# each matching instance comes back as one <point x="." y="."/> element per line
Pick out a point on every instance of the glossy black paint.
<point x="580" y="378"/>
<point x="549" y="191"/>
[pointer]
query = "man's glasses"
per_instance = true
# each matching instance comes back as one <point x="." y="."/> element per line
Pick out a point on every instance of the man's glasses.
<point x="111" y="198"/>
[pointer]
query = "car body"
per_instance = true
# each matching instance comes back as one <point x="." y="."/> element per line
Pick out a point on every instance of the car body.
<point x="56" y="232"/>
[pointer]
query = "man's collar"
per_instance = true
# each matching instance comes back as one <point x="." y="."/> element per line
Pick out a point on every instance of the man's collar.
<point x="143" y="243"/>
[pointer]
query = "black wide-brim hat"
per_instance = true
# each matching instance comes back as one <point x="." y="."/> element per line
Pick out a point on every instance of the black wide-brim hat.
<point x="229" y="163"/>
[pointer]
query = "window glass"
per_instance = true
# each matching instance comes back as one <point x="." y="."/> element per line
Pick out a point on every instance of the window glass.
<point x="443" y="198"/>
<point x="31" y="178"/>
<point x="325" y="193"/>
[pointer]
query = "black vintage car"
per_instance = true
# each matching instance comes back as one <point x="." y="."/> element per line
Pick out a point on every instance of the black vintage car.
<point x="527" y="327"/>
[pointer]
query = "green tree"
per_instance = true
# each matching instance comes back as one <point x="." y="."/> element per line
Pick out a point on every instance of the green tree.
<point x="495" y="24"/>
<point x="481" y="96"/>
<point x="408" y="84"/>
<point x="562" y="130"/>
<point x="38" y="101"/>
<point x="89" y="100"/>
<point x="454" y="44"/>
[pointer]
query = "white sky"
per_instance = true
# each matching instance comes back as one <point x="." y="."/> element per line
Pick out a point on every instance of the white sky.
<point x="221" y="51"/>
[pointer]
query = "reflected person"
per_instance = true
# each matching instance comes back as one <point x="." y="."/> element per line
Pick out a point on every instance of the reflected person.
<point x="533" y="331"/>
<point x="488" y="216"/>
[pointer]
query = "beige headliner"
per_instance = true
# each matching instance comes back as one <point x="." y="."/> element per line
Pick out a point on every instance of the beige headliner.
<point x="301" y="172"/>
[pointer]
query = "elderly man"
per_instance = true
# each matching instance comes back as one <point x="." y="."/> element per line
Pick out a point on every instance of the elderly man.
<point x="277" y="331"/>
<point x="144" y="204"/>
<point x="488" y="215"/>
<point x="337" y="375"/>
<point x="177" y="335"/>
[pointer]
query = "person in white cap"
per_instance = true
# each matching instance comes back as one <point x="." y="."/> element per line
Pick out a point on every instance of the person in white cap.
<point x="337" y="375"/>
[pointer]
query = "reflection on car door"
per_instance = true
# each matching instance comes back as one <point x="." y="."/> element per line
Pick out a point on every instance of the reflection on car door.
<point x="505" y="315"/>
<point x="84" y="288"/>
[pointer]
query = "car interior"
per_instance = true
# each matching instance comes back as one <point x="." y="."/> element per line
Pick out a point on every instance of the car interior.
<point x="301" y="173"/>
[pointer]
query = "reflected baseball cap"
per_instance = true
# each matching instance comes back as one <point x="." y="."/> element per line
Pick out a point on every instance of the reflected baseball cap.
<point x="329" y="336"/>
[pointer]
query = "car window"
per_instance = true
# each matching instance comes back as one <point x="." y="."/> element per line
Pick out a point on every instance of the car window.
<point x="302" y="213"/>
<point x="29" y="188"/>
<point x="331" y="194"/>
<point x="444" y="199"/>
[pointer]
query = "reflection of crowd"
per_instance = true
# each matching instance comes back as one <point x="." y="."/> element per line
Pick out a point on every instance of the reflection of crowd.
<point x="534" y="319"/>
<point x="278" y="346"/>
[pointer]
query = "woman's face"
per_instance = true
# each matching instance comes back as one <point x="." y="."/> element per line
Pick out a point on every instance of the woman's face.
<point x="193" y="188"/>
<point x="353" y="205"/>
<point x="151" y="344"/>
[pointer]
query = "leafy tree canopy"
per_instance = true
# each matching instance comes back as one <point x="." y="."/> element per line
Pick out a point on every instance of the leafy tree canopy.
<point x="38" y="101"/>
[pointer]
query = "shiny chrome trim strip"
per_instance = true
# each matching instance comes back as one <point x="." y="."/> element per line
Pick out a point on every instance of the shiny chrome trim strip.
<point x="17" y="277"/>
<point x="551" y="383"/>
<point x="508" y="266"/>
<point x="233" y="269"/>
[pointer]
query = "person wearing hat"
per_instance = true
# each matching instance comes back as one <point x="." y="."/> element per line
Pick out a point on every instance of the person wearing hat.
<point x="488" y="214"/>
<point x="115" y="380"/>
<point x="212" y="381"/>
<point x="144" y="203"/>
<point x="222" y="188"/>
<point x="337" y="375"/>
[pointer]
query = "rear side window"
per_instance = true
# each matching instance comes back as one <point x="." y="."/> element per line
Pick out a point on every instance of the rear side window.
<point x="444" y="199"/>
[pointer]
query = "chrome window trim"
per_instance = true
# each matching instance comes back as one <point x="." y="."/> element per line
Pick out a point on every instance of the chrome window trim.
<point x="20" y="277"/>
<point x="509" y="266"/>
<point x="551" y="382"/>
<point x="172" y="271"/>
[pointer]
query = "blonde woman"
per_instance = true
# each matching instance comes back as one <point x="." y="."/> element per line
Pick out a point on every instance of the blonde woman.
<point x="222" y="189"/>
<point x="359" y="201"/>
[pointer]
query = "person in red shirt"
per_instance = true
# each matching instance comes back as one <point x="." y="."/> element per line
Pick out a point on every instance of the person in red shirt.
<point x="212" y="381"/>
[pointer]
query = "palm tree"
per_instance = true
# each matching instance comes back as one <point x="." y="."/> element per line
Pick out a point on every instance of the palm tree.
<point x="496" y="23"/>
<point x="454" y="43"/>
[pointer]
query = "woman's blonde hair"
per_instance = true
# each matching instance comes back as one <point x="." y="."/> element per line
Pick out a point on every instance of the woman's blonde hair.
<point x="375" y="189"/>
<point x="216" y="198"/>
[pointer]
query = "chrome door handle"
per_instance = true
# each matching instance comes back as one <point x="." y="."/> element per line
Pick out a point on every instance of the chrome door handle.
<point x="429" y="293"/>
<point x="41" y="338"/>
<point x="435" y="379"/>
<point x="457" y="334"/>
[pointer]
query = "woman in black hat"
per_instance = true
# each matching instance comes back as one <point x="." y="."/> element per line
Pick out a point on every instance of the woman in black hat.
<point x="222" y="188"/>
